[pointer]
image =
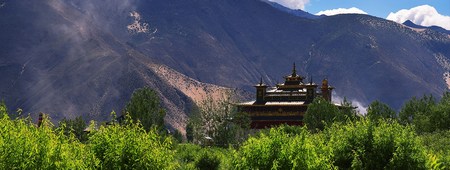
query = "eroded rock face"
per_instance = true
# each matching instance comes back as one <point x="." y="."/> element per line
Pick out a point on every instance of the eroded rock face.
<point x="446" y="78"/>
<point x="75" y="57"/>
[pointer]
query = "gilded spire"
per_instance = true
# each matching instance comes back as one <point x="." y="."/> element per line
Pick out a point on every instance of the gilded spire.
<point x="294" y="72"/>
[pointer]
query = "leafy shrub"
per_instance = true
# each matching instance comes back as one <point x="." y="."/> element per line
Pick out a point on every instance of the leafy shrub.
<point x="187" y="153"/>
<point x="279" y="149"/>
<point x="381" y="145"/>
<point x="193" y="156"/>
<point x="438" y="146"/>
<point x="130" y="147"/>
<point x="208" y="161"/>
<point x="3" y="109"/>
<point x="25" y="146"/>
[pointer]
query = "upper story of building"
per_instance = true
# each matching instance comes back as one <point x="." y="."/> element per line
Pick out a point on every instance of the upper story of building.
<point x="292" y="90"/>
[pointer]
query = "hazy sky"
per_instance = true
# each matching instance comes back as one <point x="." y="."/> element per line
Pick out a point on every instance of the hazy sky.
<point x="423" y="12"/>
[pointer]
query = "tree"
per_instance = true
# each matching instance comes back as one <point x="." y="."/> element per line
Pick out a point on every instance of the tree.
<point x="426" y="115"/>
<point x="75" y="126"/>
<point x="378" y="110"/>
<point x="347" y="112"/>
<point x="145" y="106"/>
<point x="417" y="112"/>
<point x="440" y="116"/>
<point x="320" y="113"/>
<point x="217" y="123"/>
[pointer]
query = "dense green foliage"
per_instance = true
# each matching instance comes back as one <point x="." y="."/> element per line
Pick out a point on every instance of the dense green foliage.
<point x="74" y="126"/>
<point x="282" y="148"/>
<point x="359" y="145"/>
<point x="340" y="140"/>
<point x="426" y="114"/>
<point x="24" y="146"/>
<point x="145" y="106"/>
<point x="438" y="144"/>
<point x="322" y="113"/>
<point x="129" y="146"/>
<point x="3" y="109"/>
<point x="378" y="110"/>
<point x="368" y="145"/>
<point x="193" y="156"/>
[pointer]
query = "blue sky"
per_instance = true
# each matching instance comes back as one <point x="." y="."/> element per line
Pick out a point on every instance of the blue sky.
<point x="379" y="8"/>
<point x="421" y="12"/>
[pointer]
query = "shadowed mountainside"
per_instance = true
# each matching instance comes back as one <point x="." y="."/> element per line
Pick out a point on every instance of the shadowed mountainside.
<point x="75" y="57"/>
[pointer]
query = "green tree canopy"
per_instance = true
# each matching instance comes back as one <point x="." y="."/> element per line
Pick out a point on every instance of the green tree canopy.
<point x="378" y="110"/>
<point x="75" y="126"/>
<point x="347" y="112"/>
<point x="417" y="112"/>
<point x="426" y="114"/>
<point x="145" y="106"/>
<point x="367" y="144"/>
<point x="320" y="113"/>
<point x="441" y="113"/>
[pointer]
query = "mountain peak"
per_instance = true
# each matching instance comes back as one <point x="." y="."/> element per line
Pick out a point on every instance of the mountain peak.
<point x="296" y="12"/>
<point x="409" y="23"/>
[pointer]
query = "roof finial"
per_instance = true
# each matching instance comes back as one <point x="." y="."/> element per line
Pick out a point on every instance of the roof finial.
<point x="310" y="80"/>
<point x="260" y="81"/>
<point x="294" y="72"/>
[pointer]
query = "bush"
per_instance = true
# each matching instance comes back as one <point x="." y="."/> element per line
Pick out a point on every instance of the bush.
<point x="3" y="109"/>
<point x="438" y="146"/>
<point x="193" y="156"/>
<point x="25" y="146"/>
<point x="208" y="161"/>
<point x="131" y="147"/>
<point x="279" y="149"/>
<point x="369" y="145"/>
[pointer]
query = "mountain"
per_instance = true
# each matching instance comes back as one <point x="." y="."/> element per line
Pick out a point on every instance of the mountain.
<point x="296" y="12"/>
<point x="435" y="28"/>
<point x="75" y="57"/>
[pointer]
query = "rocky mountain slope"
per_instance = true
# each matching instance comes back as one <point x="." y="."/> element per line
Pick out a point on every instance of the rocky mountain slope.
<point x="76" y="57"/>
<point x="420" y="27"/>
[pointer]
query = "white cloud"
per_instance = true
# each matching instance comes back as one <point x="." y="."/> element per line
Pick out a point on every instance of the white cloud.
<point x="424" y="15"/>
<point x="352" y="10"/>
<point x="293" y="4"/>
